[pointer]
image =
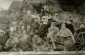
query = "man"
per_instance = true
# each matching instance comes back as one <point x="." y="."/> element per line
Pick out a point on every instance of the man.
<point x="13" y="26"/>
<point x="40" y="30"/>
<point x="14" y="16"/>
<point x="56" y="17"/>
<point x="36" y="15"/>
<point x="35" y="25"/>
<point x="46" y="24"/>
<point x="27" y="19"/>
<point x="69" y="25"/>
<point x="45" y="19"/>
<point x="42" y="13"/>
<point x="46" y="8"/>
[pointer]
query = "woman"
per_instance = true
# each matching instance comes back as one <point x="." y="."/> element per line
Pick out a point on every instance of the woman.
<point x="67" y="37"/>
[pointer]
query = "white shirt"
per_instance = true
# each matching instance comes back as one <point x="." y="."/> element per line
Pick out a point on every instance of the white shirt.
<point x="45" y="19"/>
<point x="36" y="16"/>
<point x="12" y="29"/>
<point x="46" y="8"/>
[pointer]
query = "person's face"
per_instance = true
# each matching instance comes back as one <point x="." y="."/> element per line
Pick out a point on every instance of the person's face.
<point x="11" y="35"/>
<point x="19" y="31"/>
<point x="68" y="22"/>
<point x="24" y="11"/>
<point x="82" y="26"/>
<point x="56" y="13"/>
<point x="28" y="27"/>
<point x="20" y="23"/>
<point x="41" y="23"/>
<point x="42" y="10"/>
<point x="63" y="26"/>
<point x="52" y="24"/>
<point x="36" y="20"/>
<point x="35" y="13"/>
<point x="24" y="32"/>
<point x="46" y="13"/>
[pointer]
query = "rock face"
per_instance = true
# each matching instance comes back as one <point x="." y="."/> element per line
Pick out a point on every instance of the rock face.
<point x="15" y="5"/>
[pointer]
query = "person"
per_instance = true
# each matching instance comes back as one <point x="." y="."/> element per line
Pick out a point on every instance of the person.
<point x="69" y="25"/>
<point x="3" y="39"/>
<point x="25" y="5"/>
<point x="28" y="29"/>
<point x="14" y="16"/>
<point x="81" y="28"/>
<point x="80" y="33"/>
<point x="36" y="42"/>
<point x="40" y="30"/>
<point x="42" y="13"/>
<point x="52" y="31"/>
<point x="45" y="19"/>
<point x="46" y="24"/>
<point x="24" y="37"/>
<point x="35" y="25"/>
<point x="13" y="26"/>
<point x="36" y="15"/>
<point x="27" y="19"/>
<point x="67" y="37"/>
<point x="56" y="17"/>
<point x="12" y="41"/>
<point x="46" y="8"/>
<point x="19" y="33"/>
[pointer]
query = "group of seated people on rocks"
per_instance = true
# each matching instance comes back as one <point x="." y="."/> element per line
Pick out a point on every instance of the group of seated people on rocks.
<point x="39" y="32"/>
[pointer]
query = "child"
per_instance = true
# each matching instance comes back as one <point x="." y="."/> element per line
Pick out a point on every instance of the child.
<point x="52" y="31"/>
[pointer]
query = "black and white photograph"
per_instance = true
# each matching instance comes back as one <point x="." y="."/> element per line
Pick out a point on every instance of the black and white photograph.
<point x="42" y="26"/>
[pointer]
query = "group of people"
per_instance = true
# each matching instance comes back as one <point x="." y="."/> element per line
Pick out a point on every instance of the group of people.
<point x="39" y="31"/>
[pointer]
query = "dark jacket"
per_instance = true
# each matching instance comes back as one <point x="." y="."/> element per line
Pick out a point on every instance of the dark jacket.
<point x="70" y="27"/>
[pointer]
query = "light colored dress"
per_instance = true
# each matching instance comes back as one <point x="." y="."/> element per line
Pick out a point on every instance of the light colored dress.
<point x="67" y="38"/>
<point x="52" y="31"/>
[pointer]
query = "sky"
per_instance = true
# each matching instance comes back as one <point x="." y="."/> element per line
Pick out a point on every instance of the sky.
<point x="4" y="4"/>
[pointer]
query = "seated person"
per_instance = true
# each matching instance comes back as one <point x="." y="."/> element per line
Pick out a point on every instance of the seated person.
<point x="81" y="28"/>
<point x="35" y="25"/>
<point x="66" y="37"/>
<point x="52" y="31"/>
